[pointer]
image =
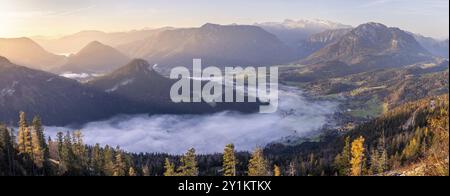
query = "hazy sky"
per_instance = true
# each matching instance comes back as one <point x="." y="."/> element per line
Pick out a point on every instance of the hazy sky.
<point x="58" y="17"/>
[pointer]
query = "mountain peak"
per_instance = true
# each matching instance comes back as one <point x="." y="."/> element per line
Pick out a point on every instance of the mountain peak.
<point x="95" y="44"/>
<point x="210" y="25"/>
<point x="139" y="63"/>
<point x="136" y="66"/>
<point x="4" y="60"/>
<point x="95" y="57"/>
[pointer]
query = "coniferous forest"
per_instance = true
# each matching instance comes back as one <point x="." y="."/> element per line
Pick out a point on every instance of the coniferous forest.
<point x="414" y="135"/>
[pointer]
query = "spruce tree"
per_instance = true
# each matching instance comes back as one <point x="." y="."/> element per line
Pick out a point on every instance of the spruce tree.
<point x="45" y="150"/>
<point x="7" y="152"/>
<point x="257" y="164"/>
<point x="342" y="160"/>
<point x="229" y="161"/>
<point x="374" y="162"/>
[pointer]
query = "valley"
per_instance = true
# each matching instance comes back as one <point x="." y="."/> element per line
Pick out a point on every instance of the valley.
<point x="379" y="88"/>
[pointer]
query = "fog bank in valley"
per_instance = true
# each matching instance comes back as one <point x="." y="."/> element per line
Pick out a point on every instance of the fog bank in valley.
<point x="175" y="134"/>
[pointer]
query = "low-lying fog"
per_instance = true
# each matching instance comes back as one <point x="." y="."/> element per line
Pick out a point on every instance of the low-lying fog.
<point x="175" y="134"/>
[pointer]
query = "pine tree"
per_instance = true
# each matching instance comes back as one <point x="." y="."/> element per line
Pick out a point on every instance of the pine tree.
<point x="229" y="161"/>
<point x="358" y="159"/>
<point x="257" y="164"/>
<point x="188" y="164"/>
<point x="169" y="168"/>
<point x="276" y="170"/>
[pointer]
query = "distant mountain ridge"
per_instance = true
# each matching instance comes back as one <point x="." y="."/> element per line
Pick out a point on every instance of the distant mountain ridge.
<point x="75" y="42"/>
<point x="217" y="45"/>
<point x="26" y="52"/>
<point x="436" y="47"/>
<point x="372" y="44"/>
<point x="94" y="58"/>
<point x="292" y="32"/>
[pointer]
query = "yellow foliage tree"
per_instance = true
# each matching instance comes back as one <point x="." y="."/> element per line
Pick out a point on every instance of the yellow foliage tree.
<point x="276" y="171"/>
<point x="357" y="160"/>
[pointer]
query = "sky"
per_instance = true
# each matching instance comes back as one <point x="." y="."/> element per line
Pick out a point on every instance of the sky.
<point x="60" y="17"/>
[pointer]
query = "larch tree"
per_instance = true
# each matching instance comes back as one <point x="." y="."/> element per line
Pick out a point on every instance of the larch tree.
<point x="188" y="164"/>
<point x="292" y="169"/>
<point x="358" y="157"/>
<point x="229" y="161"/>
<point x="276" y="170"/>
<point x="169" y="168"/>
<point x="257" y="165"/>
<point x="24" y="136"/>
<point x="96" y="160"/>
<point x="131" y="172"/>
<point x="145" y="170"/>
<point x="108" y="164"/>
<point x="38" y="150"/>
<point x="119" y="166"/>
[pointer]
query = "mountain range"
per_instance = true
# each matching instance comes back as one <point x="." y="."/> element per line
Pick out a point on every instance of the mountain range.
<point x="217" y="45"/>
<point x="73" y="43"/>
<point x="94" y="58"/>
<point x="292" y="32"/>
<point x="131" y="89"/>
<point x="139" y="82"/>
<point x="371" y="44"/>
<point x="26" y="52"/>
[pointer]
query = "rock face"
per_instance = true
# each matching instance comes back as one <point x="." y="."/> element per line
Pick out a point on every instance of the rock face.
<point x="372" y="44"/>
<point x="26" y="52"/>
<point x="94" y="58"/>
<point x="217" y="45"/>
<point x="318" y="41"/>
